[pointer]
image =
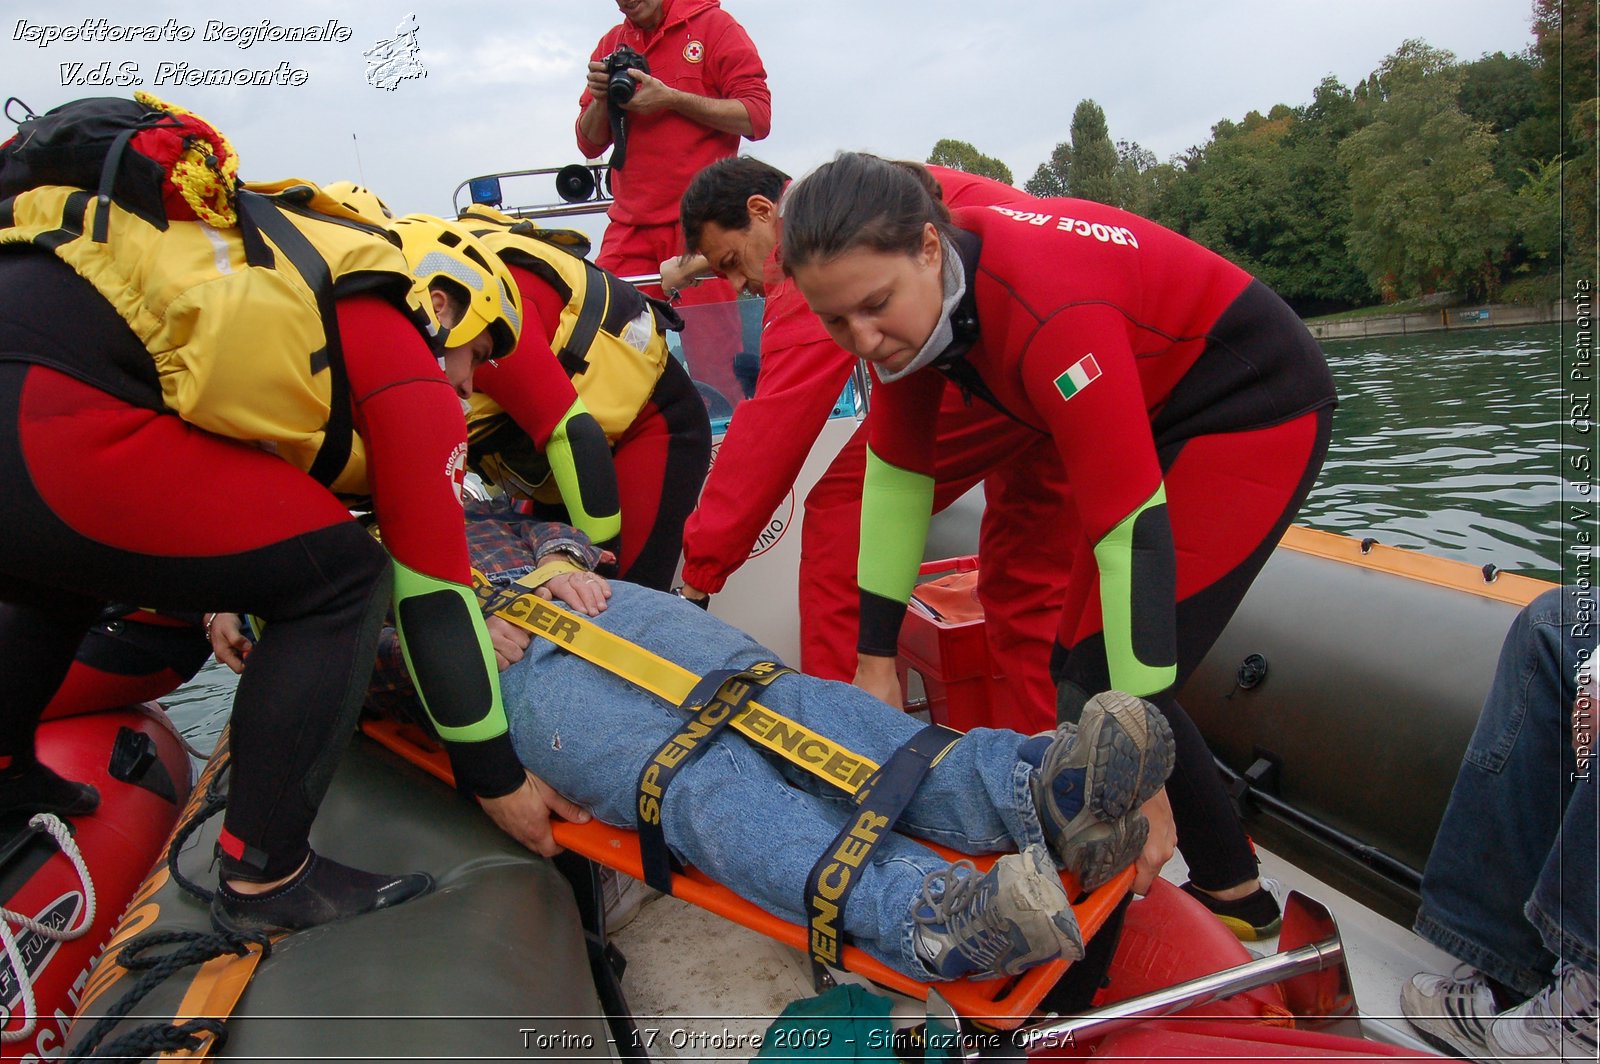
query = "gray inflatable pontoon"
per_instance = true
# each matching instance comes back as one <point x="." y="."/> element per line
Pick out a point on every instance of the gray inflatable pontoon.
<point x="492" y="965"/>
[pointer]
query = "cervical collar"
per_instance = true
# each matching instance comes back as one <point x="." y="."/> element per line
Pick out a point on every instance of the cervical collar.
<point x="954" y="281"/>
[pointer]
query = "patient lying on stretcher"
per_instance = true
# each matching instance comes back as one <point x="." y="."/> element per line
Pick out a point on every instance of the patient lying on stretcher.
<point x="758" y="823"/>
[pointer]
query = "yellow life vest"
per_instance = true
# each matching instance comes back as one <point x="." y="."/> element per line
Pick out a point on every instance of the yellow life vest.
<point x="611" y="340"/>
<point x="238" y="321"/>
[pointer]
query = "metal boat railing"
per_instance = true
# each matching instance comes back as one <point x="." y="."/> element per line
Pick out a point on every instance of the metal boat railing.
<point x="578" y="188"/>
<point x="1311" y="967"/>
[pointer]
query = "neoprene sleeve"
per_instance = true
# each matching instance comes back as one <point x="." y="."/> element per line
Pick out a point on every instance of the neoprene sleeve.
<point x="580" y="461"/>
<point x="896" y="505"/>
<point x="1137" y="590"/>
<point x="459" y="690"/>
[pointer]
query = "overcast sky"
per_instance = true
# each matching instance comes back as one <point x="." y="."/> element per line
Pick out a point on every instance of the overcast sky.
<point x="502" y="79"/>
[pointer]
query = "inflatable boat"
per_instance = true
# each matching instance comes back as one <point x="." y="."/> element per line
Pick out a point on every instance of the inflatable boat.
<point x="493" y="963"/>
<point x="1339" y="699"/>
<point x="506" y="954"/>
<point x="64" y="885"/>
<point x="505" y="959"/>
<point x="499" y="961"/>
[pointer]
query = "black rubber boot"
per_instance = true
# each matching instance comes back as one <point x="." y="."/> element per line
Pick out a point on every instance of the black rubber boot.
<point x="33" y="788"/>
<point x="320" y="893"/>
<point x="1253" y="917"/>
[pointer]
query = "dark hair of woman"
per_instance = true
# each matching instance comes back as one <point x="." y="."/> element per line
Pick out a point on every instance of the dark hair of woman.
<point x="858" y="201"/>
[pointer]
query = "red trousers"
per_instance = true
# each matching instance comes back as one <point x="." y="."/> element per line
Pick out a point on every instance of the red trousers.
<point x="712" y="332"/>
<point x="1023" y="541"/>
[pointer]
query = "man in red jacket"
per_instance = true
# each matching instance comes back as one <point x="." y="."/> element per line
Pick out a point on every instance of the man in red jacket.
<point x="706" y="88"/>
<point x="729" y="214"/>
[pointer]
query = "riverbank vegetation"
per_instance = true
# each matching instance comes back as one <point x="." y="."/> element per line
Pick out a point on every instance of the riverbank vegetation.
<point x="1432" y="175"/>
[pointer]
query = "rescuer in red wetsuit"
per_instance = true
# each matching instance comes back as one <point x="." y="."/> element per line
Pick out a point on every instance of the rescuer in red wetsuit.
<point x="1190" y="408"/>
<point x="729" y="215"/>
<point x="129" y="656"/>
<point x="594" y="403"/>
<point x="107" y="494"/>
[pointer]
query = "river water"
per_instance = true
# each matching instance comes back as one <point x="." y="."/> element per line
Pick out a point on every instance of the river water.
<point x="1448" y="442"/>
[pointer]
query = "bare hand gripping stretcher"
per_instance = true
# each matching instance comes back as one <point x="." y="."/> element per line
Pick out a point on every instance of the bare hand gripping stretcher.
<point x="727" y="699"/>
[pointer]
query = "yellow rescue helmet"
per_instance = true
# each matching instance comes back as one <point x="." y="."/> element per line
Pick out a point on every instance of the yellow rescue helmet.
<point x="361" y="200"/>
<point x="437" y="250"/>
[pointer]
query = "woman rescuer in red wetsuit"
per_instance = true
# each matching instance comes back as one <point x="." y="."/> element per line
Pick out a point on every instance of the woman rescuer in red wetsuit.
<point x="1190" y="407"/>
<point x="730" y="215"/>
<point x="109" y="496"/>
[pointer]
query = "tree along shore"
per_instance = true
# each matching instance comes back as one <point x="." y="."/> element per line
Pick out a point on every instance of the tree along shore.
<point x="1431" y="175"/>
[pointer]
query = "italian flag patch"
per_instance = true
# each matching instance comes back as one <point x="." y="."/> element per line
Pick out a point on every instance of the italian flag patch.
<point x="1078" y="376"/>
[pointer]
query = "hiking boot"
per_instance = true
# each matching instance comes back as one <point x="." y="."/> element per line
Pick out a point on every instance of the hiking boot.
<point x="1451" y="1014"/>
<point x="321" y="892"/>
<point x="31" y="787"/>
<point x="1557" y="1023"/>
<point x="1092" y="779"/>
<point x="1252" y="918"/>
<point x="1098" y="852"/>
<point x="1000" y="923"/>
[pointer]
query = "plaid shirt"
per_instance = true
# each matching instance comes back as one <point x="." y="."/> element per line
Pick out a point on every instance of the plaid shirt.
<point x="504" y="546"/>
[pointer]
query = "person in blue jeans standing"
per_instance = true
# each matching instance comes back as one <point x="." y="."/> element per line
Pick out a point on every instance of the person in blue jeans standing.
<point x="1509" y="888"/>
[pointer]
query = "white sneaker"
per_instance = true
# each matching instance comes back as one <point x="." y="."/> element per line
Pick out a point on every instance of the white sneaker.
<point x="1557" y="1023"/>
<point x="1451" y="1013"/>
<point x="623" y="896"/>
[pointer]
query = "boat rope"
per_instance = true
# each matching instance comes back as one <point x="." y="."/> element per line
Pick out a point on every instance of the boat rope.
<point x="56" y="828"/>
<point x="194" y="947"/>
<point x="193" y="750"/>
<point x="213" y="803"/>
<point x="146" y="1041"/>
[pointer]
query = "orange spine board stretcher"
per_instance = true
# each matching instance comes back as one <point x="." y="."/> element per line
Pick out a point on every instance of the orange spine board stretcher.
<point x="1001" y="1003"/>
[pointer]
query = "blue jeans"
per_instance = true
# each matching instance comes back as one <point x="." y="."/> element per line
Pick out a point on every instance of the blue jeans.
<point x="751" y="822"/>
<point x="1510" y="885"/>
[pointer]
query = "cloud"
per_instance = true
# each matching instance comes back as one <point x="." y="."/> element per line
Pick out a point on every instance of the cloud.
<point x="503" y="79"/>
<point x="539" y="60"/>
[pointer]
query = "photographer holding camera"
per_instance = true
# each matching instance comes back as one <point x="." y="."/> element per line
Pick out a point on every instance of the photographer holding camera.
<point x="698" y="87"/>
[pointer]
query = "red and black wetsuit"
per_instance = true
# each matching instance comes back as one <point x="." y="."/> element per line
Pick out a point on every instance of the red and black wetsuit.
<point x="107" y="496"/>
<point x="1191" y="411"/>
<point x="129" y="656"/>
<point x="660" y="461"/>
<point x="802" y="373"/>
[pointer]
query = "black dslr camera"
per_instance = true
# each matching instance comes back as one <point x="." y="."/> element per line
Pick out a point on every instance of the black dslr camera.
<point x="619" y="90"/>
<point x="620" y="87"/>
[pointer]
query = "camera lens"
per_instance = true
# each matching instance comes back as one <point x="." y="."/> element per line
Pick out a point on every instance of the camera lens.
<point x="620" y="89"/>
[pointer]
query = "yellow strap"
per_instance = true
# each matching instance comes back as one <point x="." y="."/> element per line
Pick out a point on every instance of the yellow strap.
<point x="549" y="571"/>
<point x="789" y="739"/>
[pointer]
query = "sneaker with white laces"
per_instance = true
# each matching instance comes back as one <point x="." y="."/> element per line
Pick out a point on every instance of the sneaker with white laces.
<point x="1557" y="1023"/>
<point x="1005" y="921"/>
<point x="1451" y="1013"/>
